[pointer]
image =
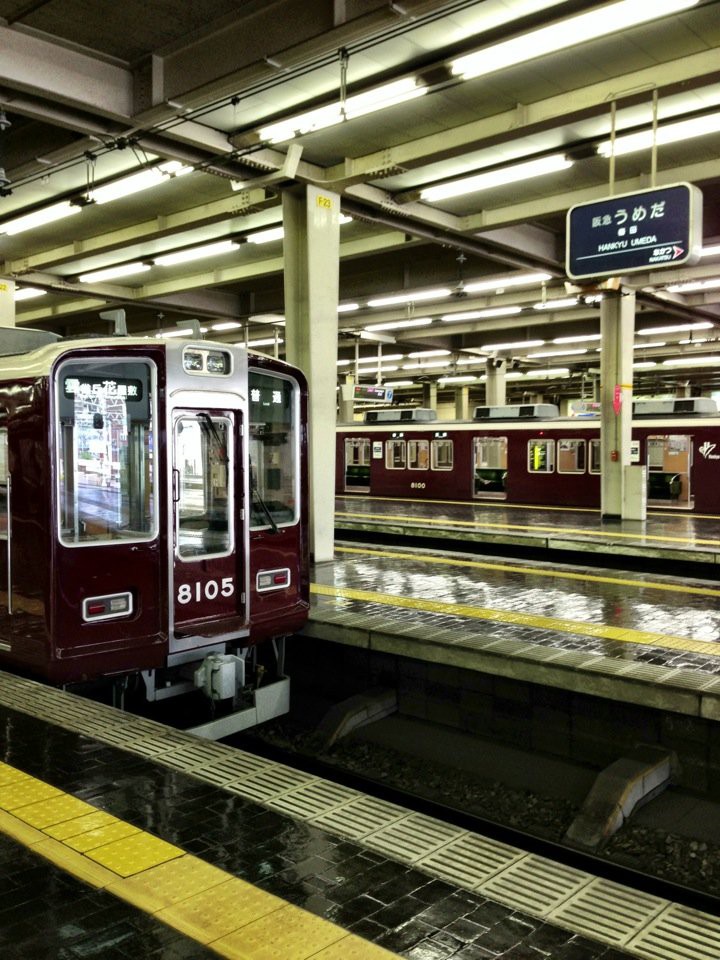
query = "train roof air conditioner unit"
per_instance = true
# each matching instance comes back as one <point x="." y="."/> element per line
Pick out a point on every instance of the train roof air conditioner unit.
<point x="399" y="415"/>
<point x="675" y="406"/>
<point x="517" y="411"/>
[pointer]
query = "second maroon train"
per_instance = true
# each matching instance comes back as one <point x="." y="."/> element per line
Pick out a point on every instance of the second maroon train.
<point x="528" y="454"/>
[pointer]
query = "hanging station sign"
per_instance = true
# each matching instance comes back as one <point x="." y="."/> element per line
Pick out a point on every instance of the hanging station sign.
<point x="660" y="227"/>
<point x="362" y="392"/>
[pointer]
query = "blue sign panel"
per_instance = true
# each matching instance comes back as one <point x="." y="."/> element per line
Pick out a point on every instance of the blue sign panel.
<point x="661" y="227"/>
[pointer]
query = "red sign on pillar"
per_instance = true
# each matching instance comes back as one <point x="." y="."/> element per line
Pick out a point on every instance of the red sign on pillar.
<point x="617" y="399"/>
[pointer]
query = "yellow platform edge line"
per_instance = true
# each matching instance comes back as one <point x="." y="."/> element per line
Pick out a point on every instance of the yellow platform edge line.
<point x="180" y="890"/>
<point x="557" y="624"/>
<point x="532" y="571"/>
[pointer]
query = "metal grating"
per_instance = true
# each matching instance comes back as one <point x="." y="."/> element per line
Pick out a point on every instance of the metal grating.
<point x="608" y="911"/>
<point x="535" y="885"/>
<point x="272" y="782"/>
<point x="412" y="838"/>
<point x="231" y="767"/>
<point x="313" y="799"/>
<point x="471" y="860"/>
<point x="679" y="933"/>
<point x="360" y="817"/>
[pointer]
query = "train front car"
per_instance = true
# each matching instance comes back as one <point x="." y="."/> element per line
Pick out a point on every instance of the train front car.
<point x="126" y="487"/>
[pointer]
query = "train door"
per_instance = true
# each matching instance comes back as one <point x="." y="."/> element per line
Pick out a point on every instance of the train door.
<point x="357" y="464"/>
<point x="669" y="464"/>
<point x="490" y="467"/>
<point x="207" y="572"/>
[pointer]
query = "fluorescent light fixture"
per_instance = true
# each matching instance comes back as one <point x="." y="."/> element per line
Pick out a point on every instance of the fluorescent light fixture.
<point x="266" y="236"/>
<point x="667" y="133"/>
<point x="496" y="178"/>
<point x="557" y="353"/>
<point x="649" y="344"/>
<point x="347" y="307"/>
<point x="549" y="372"/>
<point x="111" y="273"/>
<point x="713" y="251"/>
<point x="675" y="328"/>
<point x="196" y="253"/>
<point x="583" y="338"/>
<point x="399" y="383"/>
<point x="692" y="361"/>
<point x="388" y="358"/>
<point x="431" y="364"/>
<point x="458" y="379"/>
<point x="226" y="325"/>
<point x="607" y="19"/>
<point x="644" y="365"/>
<point x="400" y="324"/>
<point x="437" y="294"/>
<point x="178" y="332"/>
<point x="417" y="354"/>
<point x="136" y="182"/>
<point x="560" y="304"/>
<point x="275" y="318"/>
<point x="693" y="286"/>
<point x="515" y="345"/>
<point x="481" y="314"/>
<point x="265" y="342"/>
<point x="694" y="343"/>
<point x="502" y="283"/>
<point x="39" y="218"/>
<point x="388" y="95"/>
<point x="28" y="293"/>
<point x="343" y="363"/>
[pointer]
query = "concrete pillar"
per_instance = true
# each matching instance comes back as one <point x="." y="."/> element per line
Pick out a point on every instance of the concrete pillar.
<point x="429" y="399"/>
<point x="617" y="325"/>
<point x="683" y="389"/>
<point x="312" y="258"/>
<point x="347" y="403"/>
<point x="495" y="385"/>
<point x="462" y="402"/>
<point x="7" y="303"/>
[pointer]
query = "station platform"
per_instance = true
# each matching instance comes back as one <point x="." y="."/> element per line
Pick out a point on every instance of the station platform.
<point x="665" y="535"/>
<point x="120" y="837"/>
<point x="646" y="639"/>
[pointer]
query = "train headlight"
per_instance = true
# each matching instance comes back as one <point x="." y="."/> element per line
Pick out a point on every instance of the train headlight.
<point x="107" y="607"/>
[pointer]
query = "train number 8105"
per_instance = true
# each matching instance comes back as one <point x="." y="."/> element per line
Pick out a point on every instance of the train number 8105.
<point x="209" y="590"/>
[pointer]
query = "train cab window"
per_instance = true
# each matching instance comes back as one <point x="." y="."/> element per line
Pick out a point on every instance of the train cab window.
<point x="541" y="456"/>
<point x="106" y="443"/>
<point x="274" y="450"/>
<point x="3" y="484"/>
<point x="441" y="455"/>
<point x="204" y="466"/>
<point x="418" y="452"/>
<point x="595" y="457"/>
<point x="395" y="454"/>
<point x="571" y="456"/>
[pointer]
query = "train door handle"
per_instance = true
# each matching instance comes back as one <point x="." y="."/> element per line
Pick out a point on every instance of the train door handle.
<point x="175" y="485"/>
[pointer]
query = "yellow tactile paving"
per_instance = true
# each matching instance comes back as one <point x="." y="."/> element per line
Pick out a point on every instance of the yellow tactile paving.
<point x="71" y="828"/>
<point x="19" y="830"/>
<point x="24" y="792"/>
<point x="56" y="810"/>
<point x="287" y="934"/>
<point x="101" y="836"/>
<point x="533" y="571"/>
<point x="216" y="912"/>
<point x="133" y="854"/>
<point x="556" y="624"/>
<point x="75" y="863"/>
<point x="169" y="883"/>
<point x="11" y="775"/>
<point x="353" y="948"/>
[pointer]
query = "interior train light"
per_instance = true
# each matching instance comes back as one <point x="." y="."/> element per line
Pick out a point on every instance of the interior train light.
<point x="605" y="20"/>
<point x="495" y="178"/>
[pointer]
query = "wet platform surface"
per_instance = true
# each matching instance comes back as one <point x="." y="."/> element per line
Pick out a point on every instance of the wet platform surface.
<point x="530" y="619"/>
<point x="664" y="535"/>
<point x="46" y="913"/>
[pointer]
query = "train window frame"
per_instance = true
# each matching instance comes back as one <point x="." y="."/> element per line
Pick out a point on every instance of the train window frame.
<point x="4" y="485"/>
<point x="257" y="437"/>
<point x="546" y="443"/>
<point x="415" y="451"/>
<point x="138" y="469"/>
<point x="216" y="515"/>
<point x="395" y="444"/>
<point x="595" y="457"/>
<point x="564" y="444"/>
<point x="435" y="460"/>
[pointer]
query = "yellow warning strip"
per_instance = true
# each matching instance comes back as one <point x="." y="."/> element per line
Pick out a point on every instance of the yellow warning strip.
<point x="600" y="631"/>
<point x="532" y="528"/>
<point x="533" y="571"/>
<point x="228" y="915"/>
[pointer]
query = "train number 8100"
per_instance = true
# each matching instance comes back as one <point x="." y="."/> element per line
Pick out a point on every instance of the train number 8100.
<point x="209" y="590"/>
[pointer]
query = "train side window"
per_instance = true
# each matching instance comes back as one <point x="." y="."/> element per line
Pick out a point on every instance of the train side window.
<point x="4" y="525"/>
<point x="442" y="455"/>
<point x="595" y="461"/>
<point x="274" y="450"/>
<point x="203" y="460"/>
<point x="418" y="454"/>
<point x="395" y="454"/>
<point x="106" y="450"/>
<point x="571" y="456"/>
<point x="541" y="456"/>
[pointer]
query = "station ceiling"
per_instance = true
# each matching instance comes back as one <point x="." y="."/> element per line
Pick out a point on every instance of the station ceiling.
<point x="221" y="105"/>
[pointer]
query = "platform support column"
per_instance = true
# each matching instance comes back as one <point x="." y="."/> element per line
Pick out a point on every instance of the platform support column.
<point x="429" y="399"/>
<point x="617" y="325"/>
<point x="495" y="385"/>
<point x="312" y="266"/>
<point x="346" y="407"/>
<point x="7" y="302"/>
<point x="462" y="403"/>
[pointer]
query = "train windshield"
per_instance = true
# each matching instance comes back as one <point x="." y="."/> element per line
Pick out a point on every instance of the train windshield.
<point x="274" y="455"/>
<point x="106" y="451"/>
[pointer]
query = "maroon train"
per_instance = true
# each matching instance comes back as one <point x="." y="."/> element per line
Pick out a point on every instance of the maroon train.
<point x="153" y="510"/>
<point x="527" y="454"/>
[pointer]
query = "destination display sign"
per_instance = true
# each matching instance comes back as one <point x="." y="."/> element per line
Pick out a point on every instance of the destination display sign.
<point x="362" y="392"/>
<point x="649" y="230"/>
